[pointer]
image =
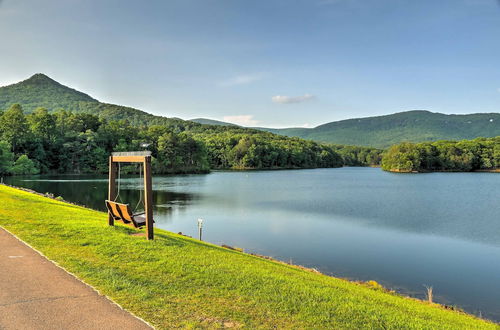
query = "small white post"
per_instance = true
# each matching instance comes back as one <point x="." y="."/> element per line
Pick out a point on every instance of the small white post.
<point x="200" y="227"/>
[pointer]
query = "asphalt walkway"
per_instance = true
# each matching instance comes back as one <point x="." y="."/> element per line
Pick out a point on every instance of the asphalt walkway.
<point x="36" y="294"/>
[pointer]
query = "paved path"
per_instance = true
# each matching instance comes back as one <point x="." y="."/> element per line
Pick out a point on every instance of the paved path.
<point x="36" y="294"/>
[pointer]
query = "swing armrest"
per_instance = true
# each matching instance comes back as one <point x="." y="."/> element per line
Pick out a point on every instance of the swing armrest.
<point x="135" y="214"/>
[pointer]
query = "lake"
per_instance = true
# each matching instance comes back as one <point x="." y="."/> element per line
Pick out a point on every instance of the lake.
<point x="402" y="230"/>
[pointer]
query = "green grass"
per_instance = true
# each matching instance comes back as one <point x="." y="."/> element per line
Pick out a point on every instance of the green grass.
<point x="176" y="281"/>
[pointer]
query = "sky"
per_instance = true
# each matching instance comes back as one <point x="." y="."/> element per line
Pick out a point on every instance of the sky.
<point x="273" y="63"/>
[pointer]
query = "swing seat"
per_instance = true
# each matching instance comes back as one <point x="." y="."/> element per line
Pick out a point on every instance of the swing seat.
<point x="123" y="212"/>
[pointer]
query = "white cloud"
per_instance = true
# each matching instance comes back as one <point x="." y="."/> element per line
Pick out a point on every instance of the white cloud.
<point x="241" y="80"/>
<point x="292" y="99"/>
<point x="243" y="120"/>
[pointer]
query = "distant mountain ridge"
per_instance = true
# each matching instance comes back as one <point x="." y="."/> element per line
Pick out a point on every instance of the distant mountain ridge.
<point x="381" y="131"/>
<point x="206" y="121"/>
<point x="410" y="126"/>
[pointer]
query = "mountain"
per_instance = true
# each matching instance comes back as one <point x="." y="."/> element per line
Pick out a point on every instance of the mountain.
<point x="411" y="126"/>
<point x="179" y="146"/>
<point x="381" y="131"/>
<point x="42" y="91"/>
<point x="206" y="121"/>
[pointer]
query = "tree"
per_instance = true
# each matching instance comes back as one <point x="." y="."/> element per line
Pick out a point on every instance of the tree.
<point x="14" y="128"/>
<point x="42" y="124"/>
<point x="6" y="158"/>
<point x="24" y="165"/>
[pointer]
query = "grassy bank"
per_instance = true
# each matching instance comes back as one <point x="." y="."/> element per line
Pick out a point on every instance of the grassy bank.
<point x="176" y="281"/>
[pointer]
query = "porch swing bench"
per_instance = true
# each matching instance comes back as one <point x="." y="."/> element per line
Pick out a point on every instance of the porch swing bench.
<point x="120" y="211"/>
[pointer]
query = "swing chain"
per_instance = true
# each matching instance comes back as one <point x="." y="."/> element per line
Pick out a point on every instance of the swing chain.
<point x="119" y="186"/>
<point x="119" y="182"/>
<point x="140" y="190"/>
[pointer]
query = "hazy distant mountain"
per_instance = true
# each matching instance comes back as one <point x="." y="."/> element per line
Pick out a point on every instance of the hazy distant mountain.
<point x="413" y="126"/>
<point x="381" y="131"/>
<point x="211" y="122"/>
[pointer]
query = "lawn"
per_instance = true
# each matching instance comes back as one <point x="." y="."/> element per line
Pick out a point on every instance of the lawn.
<point x="175" y="281"/>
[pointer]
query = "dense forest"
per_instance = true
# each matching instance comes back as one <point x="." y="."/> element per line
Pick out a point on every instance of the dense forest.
<point x="67" y="142"/>
<point x="466" y="155"/>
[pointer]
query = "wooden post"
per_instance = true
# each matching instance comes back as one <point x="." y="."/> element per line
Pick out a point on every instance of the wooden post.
<point x="148" y="197"/>
<point x="111" y="187"/>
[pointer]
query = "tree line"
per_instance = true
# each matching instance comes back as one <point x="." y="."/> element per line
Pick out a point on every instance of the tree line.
<point x="463" y="156"/>
<point x="359" y="155"/>
<point x="68" y="142"/>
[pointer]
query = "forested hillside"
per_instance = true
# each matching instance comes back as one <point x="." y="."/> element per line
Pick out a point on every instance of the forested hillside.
<point x="410" y="126"/>
<point x="463" y="156"/>
<point x="48" y="127"/>
<point x="68" y="142"/>
<point x="41" y="91"/>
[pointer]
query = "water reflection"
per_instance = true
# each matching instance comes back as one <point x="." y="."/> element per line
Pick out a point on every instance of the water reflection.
<point x="91" y="192"/>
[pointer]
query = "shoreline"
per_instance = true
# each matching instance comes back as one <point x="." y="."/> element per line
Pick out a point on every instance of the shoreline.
<point x="497" y="170"/>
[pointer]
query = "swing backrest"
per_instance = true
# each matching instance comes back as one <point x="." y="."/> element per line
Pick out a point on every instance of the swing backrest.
<point x="120" y="211"/>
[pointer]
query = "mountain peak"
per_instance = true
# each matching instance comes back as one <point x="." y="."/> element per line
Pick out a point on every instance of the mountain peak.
<point x="40" y="90"/>
<point x="40" y="78"/>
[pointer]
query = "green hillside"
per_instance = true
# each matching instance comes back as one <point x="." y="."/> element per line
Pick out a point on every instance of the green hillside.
<point x="46" y="127"/>
<point x="380" y="131"/>
<point x="410" y="126"/>
<point x="41" y="91"/>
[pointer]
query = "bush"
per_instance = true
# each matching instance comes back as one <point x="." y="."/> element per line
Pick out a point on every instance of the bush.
<point x="24" y="165"/>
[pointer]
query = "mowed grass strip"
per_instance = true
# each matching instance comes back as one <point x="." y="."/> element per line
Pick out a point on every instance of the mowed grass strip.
<point x="176" y="281"/>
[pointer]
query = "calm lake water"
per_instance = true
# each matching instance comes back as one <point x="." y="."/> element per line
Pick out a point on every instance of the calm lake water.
<point x="402" y="230"/>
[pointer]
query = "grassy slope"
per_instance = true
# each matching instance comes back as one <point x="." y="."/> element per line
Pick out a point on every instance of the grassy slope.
<point x="176" y="281"/>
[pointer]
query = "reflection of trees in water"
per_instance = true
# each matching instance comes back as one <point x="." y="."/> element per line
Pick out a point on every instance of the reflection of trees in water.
<point x="89" y="193"/>
<point x="93" y="193"/>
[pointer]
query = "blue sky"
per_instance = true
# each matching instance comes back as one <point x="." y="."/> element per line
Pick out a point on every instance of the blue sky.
<point x="275" y="63"/>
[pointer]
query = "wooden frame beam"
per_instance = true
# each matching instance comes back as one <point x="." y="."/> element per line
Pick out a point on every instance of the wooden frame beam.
<point x="128" y="159"/>
<point x="148" y="197"/>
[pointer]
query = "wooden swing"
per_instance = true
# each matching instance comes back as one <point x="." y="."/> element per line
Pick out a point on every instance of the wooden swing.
<point x="122" y="211"/>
